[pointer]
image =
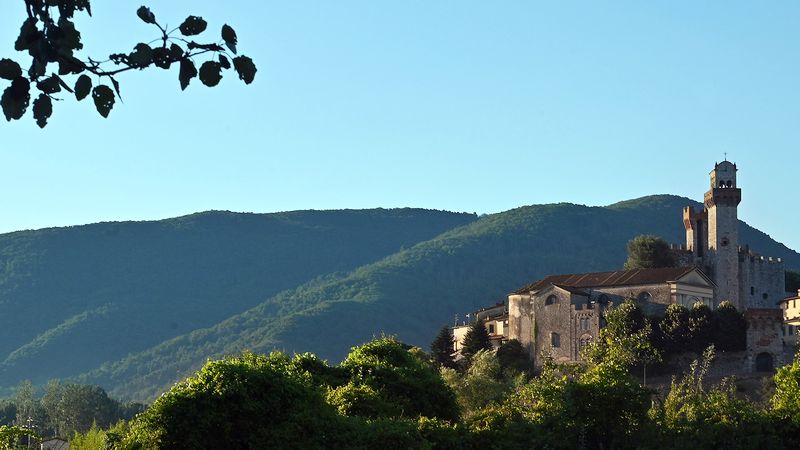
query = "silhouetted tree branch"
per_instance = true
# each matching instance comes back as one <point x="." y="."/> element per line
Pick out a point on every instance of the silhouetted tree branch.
<point x="50" y="38"/>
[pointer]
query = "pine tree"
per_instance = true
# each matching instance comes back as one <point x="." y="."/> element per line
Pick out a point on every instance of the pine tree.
<point x="648" y="252"/>
<point x="442" y="347"/>
<point x="476" y="339"/>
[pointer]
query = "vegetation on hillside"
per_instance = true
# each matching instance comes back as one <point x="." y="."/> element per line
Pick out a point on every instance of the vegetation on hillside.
<point x="792" y="281"/>
<point x="411" y="293"/>
<point x="73" y="298"/>
<point x="61" y="410"/>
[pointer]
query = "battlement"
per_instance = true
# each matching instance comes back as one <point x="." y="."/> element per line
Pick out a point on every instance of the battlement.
<point x="678" y="247"/>
<point x="746" y="253"/>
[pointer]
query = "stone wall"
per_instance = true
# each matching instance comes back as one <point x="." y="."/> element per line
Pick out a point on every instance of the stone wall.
<point x="553" y="322"/>
<point x="520" y="326"/>
<point x="761" y="281"/>
<point x="764" y="337"/>
<point x="659" y="296"/>
<point x="723" y="250"/>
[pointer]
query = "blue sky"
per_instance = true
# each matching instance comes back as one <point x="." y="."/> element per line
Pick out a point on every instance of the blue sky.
<point x="458" y="105"/>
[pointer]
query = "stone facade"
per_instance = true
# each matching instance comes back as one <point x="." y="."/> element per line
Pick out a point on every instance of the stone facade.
<point x="764" y="339"/>
<point x="742" y="277"/>
<point x="560" y="314"/>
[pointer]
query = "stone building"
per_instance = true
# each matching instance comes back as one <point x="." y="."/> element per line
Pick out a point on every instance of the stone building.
<point x="712" y="239"/>
<point x="561" y="314"/>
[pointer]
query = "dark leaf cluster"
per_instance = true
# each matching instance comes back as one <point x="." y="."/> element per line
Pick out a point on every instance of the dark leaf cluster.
<point x="52" y="42"/>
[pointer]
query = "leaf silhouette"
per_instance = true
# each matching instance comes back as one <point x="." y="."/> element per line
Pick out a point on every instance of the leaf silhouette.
<point x="193" y="25"/>
<point x="103" y="99"/>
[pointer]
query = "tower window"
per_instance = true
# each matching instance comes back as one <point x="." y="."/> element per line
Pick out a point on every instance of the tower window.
<point x="555" y="340"/>
<point x="725" y="242"/>
<point x="551" y="300"/>
<point x="764" y="295"/>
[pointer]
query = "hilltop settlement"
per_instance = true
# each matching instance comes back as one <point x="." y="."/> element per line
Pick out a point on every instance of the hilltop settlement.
<point x="560" y="315"/>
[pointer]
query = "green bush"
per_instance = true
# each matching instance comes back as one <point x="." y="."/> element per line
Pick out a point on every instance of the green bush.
<point x="402" y="378"/>
<point x="248" y="402"/>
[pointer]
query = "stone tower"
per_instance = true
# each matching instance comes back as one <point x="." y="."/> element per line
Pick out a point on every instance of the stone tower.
<point x="722" y="250"/>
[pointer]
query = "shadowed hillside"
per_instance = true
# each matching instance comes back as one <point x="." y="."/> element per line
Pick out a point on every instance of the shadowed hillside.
<point x="414" y="292"/>
<point x="73" y="298"/>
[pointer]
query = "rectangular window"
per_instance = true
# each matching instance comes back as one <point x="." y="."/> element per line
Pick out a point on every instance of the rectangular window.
<point x="555" y="340"/>
<point x="491" y="328"/>
<point x="752" y="290"/>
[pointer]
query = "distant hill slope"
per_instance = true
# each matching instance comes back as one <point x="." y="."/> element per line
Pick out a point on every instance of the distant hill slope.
<point x="414" y="292"/>
<point x="74" y="298"/>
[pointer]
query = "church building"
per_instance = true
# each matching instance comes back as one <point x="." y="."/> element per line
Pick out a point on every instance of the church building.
<point x="561" y="314"/>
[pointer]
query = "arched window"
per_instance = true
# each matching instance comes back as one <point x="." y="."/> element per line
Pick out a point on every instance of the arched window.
<point x="555" y="340"/>
<point x="644" y="296"/>
<point x="551" y="300"/>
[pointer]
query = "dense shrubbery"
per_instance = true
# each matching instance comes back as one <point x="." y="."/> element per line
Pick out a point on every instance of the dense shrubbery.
<point x="388" y="395"/>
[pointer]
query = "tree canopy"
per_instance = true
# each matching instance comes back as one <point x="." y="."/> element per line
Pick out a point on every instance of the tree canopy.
<point x="442" y="347"/>
<point x="53" y="43"/>
<point x="648" y="252"/>
<point x="476" y="339"/>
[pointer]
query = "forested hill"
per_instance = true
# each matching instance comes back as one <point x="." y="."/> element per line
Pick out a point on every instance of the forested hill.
<point x="412" y="293"/>
<point x="73" y="298"/>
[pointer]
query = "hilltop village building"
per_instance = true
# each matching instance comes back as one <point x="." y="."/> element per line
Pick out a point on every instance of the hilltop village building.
<point x="791" y="319"/>
<point x="561" y="314"/>
<point x="495" y="318"/>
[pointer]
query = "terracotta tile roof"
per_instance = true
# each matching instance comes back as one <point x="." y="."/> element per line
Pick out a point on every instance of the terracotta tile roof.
<point x="607" y="279"/>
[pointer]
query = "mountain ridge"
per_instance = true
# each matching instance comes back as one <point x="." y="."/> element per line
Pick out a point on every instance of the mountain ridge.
<point x="366" y="293"/>
<point x="429" y="266"/>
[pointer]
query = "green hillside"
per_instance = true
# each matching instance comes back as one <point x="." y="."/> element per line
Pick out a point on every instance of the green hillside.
<point x="73" y="298"/>
<point x="414" y="292"/>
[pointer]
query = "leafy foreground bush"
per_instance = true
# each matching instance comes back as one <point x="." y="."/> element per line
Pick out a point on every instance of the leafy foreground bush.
<point x="383" y="395"/>
<point x="387" y="395"/>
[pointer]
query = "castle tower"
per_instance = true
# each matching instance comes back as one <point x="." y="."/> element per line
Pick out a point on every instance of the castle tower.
<point x="722" y="255"/>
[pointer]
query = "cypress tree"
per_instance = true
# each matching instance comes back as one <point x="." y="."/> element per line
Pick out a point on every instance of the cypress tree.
<point x="442" y="347"/>
<point x="476" y="339"/>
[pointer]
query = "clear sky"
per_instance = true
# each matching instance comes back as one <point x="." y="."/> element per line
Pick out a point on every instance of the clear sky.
<point x="459" y="105"/>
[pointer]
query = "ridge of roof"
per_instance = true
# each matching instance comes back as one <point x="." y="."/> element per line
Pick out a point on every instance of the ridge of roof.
<point x="614" y="278"/>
